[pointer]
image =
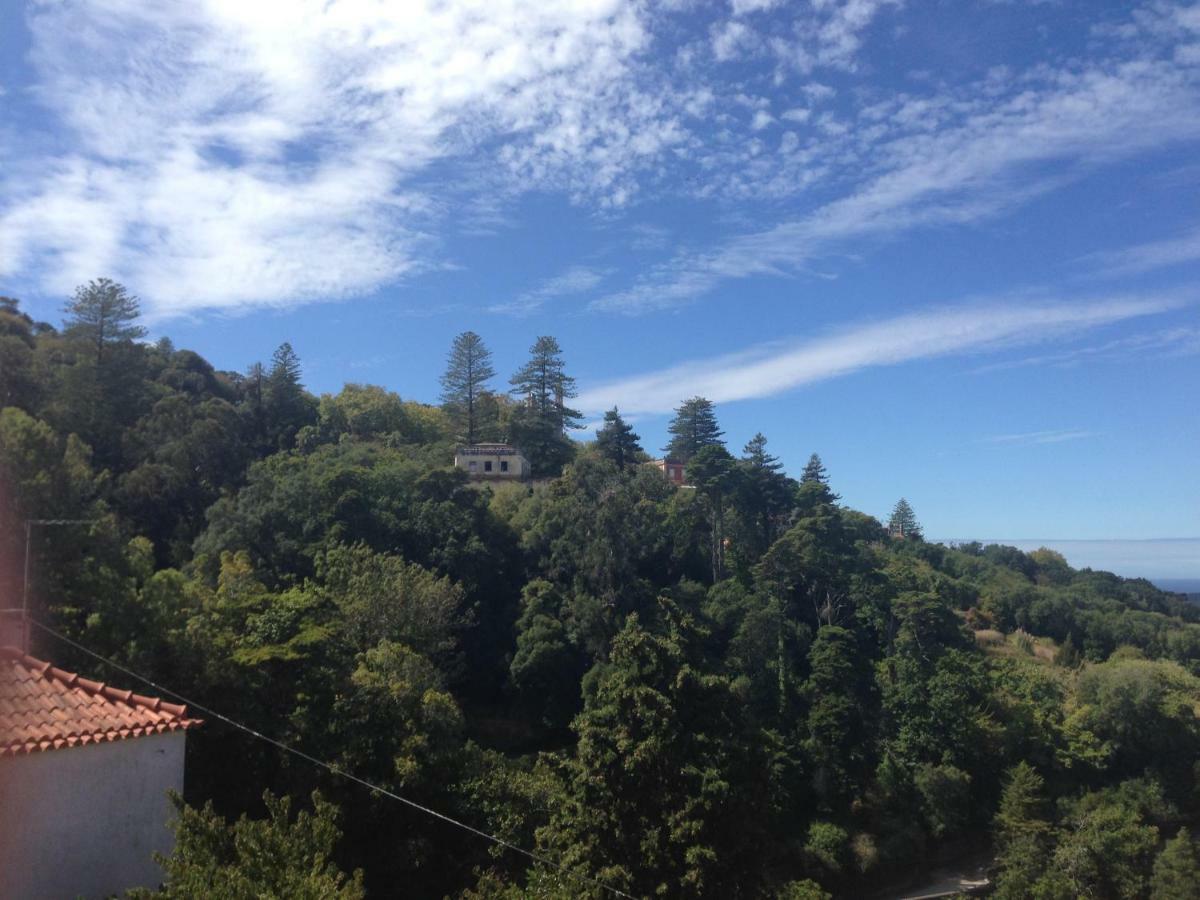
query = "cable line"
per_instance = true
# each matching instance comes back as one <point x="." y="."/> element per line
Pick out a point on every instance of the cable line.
<point x="332" y="768"/>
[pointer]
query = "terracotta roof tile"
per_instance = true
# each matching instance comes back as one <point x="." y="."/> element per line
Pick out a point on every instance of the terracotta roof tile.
<point x="46" y="708"/>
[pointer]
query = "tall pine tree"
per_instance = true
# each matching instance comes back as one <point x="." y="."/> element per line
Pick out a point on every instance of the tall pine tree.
<point x="99" y="395"/>
<point x="539" y="427"/>
<point x="814" y="470"/>
<point x="814" y="487"/>
<point x="288" y="406"/>
<point x="616" y="440"/>
<point x="903" y="521"/>
<point x="103" y="313"/>
<point x="765" y="496"/>
<point x="1023" y="835"/>
<point x="545" y="385"/>
<point x="468" y="370"/>
<point x="693" y="428"/>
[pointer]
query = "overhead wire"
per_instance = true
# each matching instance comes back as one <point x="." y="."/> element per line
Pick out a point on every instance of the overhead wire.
<point x="342" y="773"/>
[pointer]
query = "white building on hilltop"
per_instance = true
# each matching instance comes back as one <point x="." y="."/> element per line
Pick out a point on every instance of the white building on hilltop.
<point x="499" y="461"/>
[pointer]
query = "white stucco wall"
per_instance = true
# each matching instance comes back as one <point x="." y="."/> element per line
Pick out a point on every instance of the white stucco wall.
<point x="518" y="466"/>
<point x="86" y="821"/>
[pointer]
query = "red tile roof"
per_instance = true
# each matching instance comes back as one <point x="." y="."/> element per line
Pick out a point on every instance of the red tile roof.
<point x="44" y="708"/>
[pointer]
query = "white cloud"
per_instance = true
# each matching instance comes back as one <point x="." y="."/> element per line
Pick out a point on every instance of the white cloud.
<point x="730" y="39"/>
<point x="831" y="35"/>
<point x="228" y="153"/>
<point x="575" y="280"/>
<point x="772" y="369"/>
<point x="1054" y="436"/>
<point x="1168" y="342"/>
<point x="742" y="7"/>
<point x="225" y="154"/>
<point x="988" y="157"/>
<point x="1146" y="257"/>
<point x="761" y="120"/>
<point x="812" y="34"/>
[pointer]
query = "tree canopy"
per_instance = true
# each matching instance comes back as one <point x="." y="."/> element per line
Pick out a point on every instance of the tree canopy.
<point x="740" y="687"/>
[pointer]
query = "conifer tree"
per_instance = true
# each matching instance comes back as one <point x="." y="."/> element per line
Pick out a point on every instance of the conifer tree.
<point x="765" y="495"/>
<point x="1177" y="870"/>
<point x="539" y="427"/>
<point x="468" y="370"/>
<point x="662" y="740"/>
<point x="1022" y="834"/>
<point x="545" y="385"/>
<point x="716" y="478"/>
<point x="103" y="313"/>
<point x="814" y="470"/>
<point x="616" y="440"/>
<point x="285" y="369"/>
<point x="288" y="407"/>
<point x="755" y="453"/>
<point x="693" y="428"/>
<point x="903" y="521"/>
<point x="814" y="489"/>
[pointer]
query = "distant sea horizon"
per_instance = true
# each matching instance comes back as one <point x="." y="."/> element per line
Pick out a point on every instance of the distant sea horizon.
<point x="1172" y="564"/>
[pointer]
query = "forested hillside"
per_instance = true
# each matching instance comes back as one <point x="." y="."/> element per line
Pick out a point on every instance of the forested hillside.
<point x="740" y="688"/>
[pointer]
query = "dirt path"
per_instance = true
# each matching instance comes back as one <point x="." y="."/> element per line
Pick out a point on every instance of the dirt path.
<point x="964" y="876"/>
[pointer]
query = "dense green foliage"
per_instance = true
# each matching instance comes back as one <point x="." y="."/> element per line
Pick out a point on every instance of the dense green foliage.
<point x="739" y="688"/>
<point x="250" y="859"/>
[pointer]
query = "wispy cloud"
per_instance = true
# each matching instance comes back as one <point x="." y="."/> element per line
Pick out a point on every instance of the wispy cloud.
<point x="1040" y="437"/>
<point x="817" y="34"/>
<point x="223" y="155"/>
<point x="575" y="280"/>
<point x="1148" y="256"/>
<point x="1167" y="342"/>
<point x="957" y="161"/>
<point x="771" y="369"/>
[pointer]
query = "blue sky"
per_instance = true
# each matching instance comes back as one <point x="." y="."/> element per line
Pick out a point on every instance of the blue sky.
<point x="950" y="246"/>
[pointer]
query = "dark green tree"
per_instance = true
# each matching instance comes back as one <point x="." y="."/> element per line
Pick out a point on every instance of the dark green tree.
<point x="764" y="499"/>
<point x="288" y="406"/>
<point x="468" y="371"/>
<point x="693" y="428"/>
<point x="666" y="790"/>
<point x="547" y="667"/>
<point x="1023" y="834"/>
<point x="715" y="475"/>
<point x="903" y="521"/>
<point x="814" y="490"/>
<point x="539" y="425"/>
<point x="545" y="386"/>
<point x="809" y="568"/>
<point x="616" y="440"/>
<point x="839" y="691"/>
<point x="1177" y="869"/>
<point x="101" y="372"/>
<point x="814" y="470"/>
